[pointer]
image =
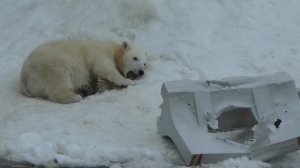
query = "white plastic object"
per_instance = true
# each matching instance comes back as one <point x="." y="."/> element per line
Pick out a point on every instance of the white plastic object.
<point x="210" y="121"/>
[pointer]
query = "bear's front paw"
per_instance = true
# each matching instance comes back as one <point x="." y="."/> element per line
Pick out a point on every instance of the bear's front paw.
<point x="125" y="83"/>
<point x="101" y="85"/>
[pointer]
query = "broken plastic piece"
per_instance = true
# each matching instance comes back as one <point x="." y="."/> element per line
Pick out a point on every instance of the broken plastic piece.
<point x="214" y="120"/>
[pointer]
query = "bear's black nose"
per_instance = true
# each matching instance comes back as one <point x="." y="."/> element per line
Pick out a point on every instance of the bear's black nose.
<point x="141" y="72"/>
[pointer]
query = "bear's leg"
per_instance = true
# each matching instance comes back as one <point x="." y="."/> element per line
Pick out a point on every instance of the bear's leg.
<point x="119" y="80"/>
<point x="111" y="74"/>
<point x="115" y="77"/>
<point x="61" y="90"/>
<point x="103" y="85"/>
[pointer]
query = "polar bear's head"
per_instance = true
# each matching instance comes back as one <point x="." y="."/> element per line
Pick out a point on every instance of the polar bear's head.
<point x="133" y="62"/>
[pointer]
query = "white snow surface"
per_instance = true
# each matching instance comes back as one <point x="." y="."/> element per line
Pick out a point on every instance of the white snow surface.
<point x="185" y="39"/>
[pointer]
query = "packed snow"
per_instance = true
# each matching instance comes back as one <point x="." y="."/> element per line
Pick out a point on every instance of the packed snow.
<point x="198" y="40"/>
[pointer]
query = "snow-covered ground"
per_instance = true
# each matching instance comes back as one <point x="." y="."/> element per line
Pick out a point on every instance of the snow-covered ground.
<point x="185" y="39"/>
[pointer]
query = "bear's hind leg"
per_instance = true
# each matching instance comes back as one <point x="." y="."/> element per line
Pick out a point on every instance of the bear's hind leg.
<point x="61" y="90"/>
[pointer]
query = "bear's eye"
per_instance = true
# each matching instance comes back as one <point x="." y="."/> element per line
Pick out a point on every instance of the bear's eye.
<point x="144" y="64"/>
<point x="135" y="58"/>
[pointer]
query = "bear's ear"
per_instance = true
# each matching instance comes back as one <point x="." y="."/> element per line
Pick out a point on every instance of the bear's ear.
<point x="125" y="45"/>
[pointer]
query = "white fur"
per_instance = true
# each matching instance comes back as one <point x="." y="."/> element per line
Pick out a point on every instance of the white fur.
<point x="55" y="69"/>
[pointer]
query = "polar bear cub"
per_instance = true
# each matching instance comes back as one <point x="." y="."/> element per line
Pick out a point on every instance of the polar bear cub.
<point x="54" y="70"/>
